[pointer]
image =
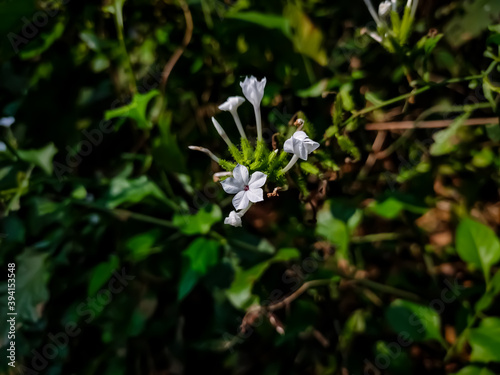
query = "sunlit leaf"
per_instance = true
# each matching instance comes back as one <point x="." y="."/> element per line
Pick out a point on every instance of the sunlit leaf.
<point x="478" y="245"/>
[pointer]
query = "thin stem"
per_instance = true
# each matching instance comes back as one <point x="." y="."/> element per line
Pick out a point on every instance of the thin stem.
<point x="205" y="151"/>
<point x="290" y="164"/>
<point x="188" y="33"/>
<point x="414" y="9"/>
<point x="118" y="17"/>
<point x="410" y="94"/>
<point x="400" y="125"/>
<point x="23" y="186"/>
<point x="298" y="292"/>
<point x="238" y="123"/>
<point x="126" y="214"/>
<point x="372" y="11"/>
<point x="376" y="237"/>
<point x="244" y="211"/>
<point x="365" y="282"/>
<point x="222" y="133"/>
<point x="259" y="122"/>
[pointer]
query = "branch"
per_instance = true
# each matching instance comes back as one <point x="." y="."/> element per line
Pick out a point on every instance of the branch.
<point x="402" y="125"/>
<point x="180" y="50"/>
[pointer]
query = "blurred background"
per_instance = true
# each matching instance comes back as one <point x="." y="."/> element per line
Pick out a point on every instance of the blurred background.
<point x="385" y="238"/>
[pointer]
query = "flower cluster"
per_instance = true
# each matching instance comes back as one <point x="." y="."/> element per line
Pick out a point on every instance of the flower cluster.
<point x="398" y="32"/>
<point x="255" y="166"/>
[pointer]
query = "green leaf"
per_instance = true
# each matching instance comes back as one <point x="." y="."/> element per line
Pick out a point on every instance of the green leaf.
<point x="474" y="18"/>
<point x="201" y="255"/>
<point x="474" y="370"/>
<point x="136" y="110"/>
<point x="269" y="21"/>
<point x="485" y="341"/>
<point x="493" y="131"/>
<point x="123" y="190"/>
<point x="11" y="25"/>
<point x="199" y="223"/>
<point x="446" y="141"/>
<point x="306" y="37"/>
<point x="42" y="42"/>
<point x="101" y="274"/>
<point x="141" y="246"/>
<point x="334" y="231"/>
<point x="391" y="207"/>
<point x="492" y="290"/>
<point x="478" y="245"/>
<point x="240" y="292"/>
<point x="41" y="158"/>
<point x="421" y="322"/>
<point x="166" y="148"/>
<point x="31" y="284"/>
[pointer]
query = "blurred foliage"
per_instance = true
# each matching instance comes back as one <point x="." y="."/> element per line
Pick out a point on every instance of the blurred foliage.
<point x="380" y="257"/>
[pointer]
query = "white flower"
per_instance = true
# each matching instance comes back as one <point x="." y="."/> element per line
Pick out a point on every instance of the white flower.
<point x="233" y="219"/>
<point x="3" y="147"/>
<point x="254" y="92"/>
<point x="231" y="105"/>
<point x="300" y="144"/>
<point x="384" y="8"/>
<point x="247" y="189"/>
<point x="221" y="132"/>
<point x="253" y="89"/>
<point x="7" y="121"/>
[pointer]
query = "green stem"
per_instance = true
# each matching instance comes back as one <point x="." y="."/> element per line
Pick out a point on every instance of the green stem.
<point x="376" y="237"/>
<point x="409" y="95"/>
<point x="23" y="186"/>
<point x="126" y="214"/>
<point x="118" y="17"/>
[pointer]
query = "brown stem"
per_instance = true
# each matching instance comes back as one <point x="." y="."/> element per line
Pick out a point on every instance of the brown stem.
<point x="402" y="125"/>
<point x="180" y="50"/>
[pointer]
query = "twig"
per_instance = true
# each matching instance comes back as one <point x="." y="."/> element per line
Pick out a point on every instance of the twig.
<point x="402" y="125"/>
<point x="180" y="50"/>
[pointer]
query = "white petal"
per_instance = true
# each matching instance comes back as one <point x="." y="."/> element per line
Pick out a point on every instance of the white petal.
<point x="257" y="180"/>
<point x="240" y="200"/>
<point x="255" y="195"/>
<point x="300" y="135"/>
<point x="253" y="90"/>
<point x="232" y="103"/>
<point x="7" y="121"/>
<point x="240" y="173"/>
<point x="288" y="146"/>
<point x="233" y="219"/>
<point x="231" y="185"/>
<point x="311" y="146"/>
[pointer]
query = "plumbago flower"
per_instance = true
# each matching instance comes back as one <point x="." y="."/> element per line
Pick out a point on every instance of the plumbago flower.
<point x="254" y="165"/>
<point x="300" y="145"/>
<point x="247" y="189"/>
<point x="399" y="29"/>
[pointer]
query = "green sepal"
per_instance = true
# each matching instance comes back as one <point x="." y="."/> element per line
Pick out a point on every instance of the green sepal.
<point x="247" y="150"/>
<point x="227" y="165"/>
<point x="260" y="157"/>
<point x="236" y="154"/>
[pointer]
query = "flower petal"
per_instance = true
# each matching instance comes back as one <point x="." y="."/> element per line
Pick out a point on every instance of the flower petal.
<point x="240" y="200"/>
<point x="300" y="135"/>
<point x="233" y="219"/>
<point x="232" y="103"/>
<point x="255" y="195"/>
<point x="257" y="180"/>
<point x="240" y="173"/>
<point x="288" y="146"/>
<point x="231" y="185"/>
